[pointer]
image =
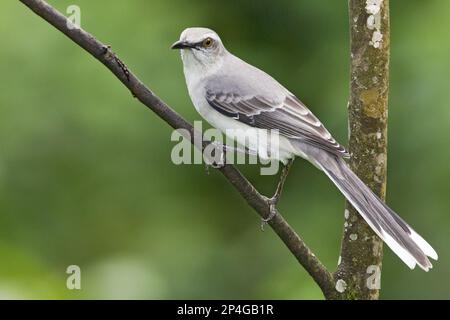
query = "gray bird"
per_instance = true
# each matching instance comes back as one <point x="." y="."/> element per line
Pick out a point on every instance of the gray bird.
<point x="233" y="95"/>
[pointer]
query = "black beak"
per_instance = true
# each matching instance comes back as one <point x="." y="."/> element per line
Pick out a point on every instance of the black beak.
<point x="182" y="45"/>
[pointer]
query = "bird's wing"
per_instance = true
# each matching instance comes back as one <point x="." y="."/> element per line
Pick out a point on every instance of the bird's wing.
<point x="289" y="116"/>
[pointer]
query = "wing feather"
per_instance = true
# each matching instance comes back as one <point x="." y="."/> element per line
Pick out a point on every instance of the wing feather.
<point x="290" y="117"/>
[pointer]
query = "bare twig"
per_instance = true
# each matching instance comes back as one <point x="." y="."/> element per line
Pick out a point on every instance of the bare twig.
<point x="257" y="201"/>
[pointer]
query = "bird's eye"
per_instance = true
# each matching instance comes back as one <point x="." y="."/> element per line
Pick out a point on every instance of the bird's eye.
<point x="207" y="42"/>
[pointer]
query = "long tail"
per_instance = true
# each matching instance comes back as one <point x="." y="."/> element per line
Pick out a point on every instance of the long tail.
<point x="392" y="229"/>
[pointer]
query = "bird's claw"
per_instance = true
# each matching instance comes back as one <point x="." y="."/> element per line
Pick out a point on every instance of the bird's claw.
<point x="272" y="202"/>
<point x="221" y="163"/>
<point x="214" y="166"/>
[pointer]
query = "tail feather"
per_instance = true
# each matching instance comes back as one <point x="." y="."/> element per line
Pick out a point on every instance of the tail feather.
<point x="411" y="248"/>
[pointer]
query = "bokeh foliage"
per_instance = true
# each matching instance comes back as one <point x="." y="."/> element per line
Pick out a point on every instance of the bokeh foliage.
<point x="85" y="171"/>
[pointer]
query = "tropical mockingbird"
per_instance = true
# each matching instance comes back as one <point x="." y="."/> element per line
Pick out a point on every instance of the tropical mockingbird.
<point x="233" y="95"/>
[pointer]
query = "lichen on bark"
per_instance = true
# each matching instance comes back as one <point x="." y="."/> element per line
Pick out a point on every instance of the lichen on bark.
<point x="361" y="250"/>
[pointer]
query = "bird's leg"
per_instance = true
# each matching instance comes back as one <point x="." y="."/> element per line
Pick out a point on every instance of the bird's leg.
<point x="222" y="148"/>
<point x="276" y="197"/>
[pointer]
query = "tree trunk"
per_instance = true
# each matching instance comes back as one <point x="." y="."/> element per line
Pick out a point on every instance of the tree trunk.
<point x="359" y="268"/>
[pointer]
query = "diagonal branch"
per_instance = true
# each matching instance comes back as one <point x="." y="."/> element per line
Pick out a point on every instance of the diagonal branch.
<point x="257" y="201"/>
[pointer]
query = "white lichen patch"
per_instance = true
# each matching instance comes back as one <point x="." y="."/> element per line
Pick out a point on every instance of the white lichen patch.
<point x="346" y="214"/>
<point x="373" y="9"/>
<point x="381" y="160"/>
<point x="353" y="237"/>
<point x="341" y="285"/>
<point x="376" y="248"/>
<point x="377" y="37"/>
<point x="378" y="170"/>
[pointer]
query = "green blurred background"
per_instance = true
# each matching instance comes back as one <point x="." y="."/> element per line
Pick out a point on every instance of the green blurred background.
<point x="85" y="170"/>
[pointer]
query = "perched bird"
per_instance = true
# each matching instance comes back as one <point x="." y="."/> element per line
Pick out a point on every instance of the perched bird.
<point x="233" y="95"/>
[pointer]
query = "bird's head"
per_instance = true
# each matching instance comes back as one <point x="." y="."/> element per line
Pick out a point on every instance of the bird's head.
<point x="200" y="47"/>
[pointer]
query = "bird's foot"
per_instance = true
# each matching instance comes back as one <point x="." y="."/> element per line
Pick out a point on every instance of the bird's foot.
<point x="221" y="162"/>
<point x="214" y="166"/>
<point x="272" y="202"/>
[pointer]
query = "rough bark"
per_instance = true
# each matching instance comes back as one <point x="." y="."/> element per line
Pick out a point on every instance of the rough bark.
<point x="359" y="270"/>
